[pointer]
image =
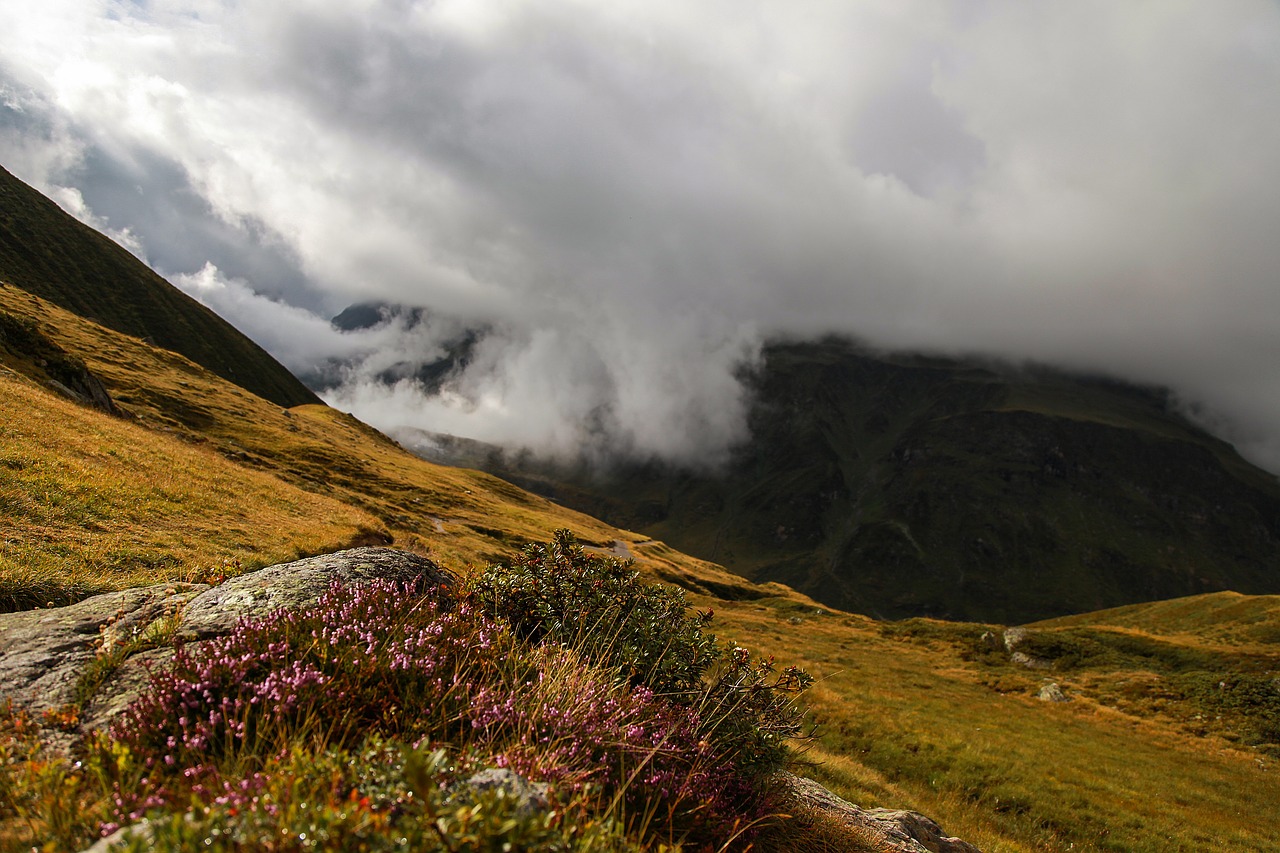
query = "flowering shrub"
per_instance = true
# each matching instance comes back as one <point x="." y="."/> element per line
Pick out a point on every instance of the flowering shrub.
<point x="380" y="657"/>
<point x="558" y="592"/>
<point x="649" y="755"/>
<point x="243" y="726"/>
<point x="600" y="607"/>
<point x="383" y="796"/>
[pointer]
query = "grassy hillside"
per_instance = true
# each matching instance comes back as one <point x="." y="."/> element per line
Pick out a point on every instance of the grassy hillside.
<point x="1170" y="741"/>
<point x="210" y="440"/>
<point x="50" y="254"/>
<point x="904" y="486"/>
<point x="918" y="714"/>
<point x="1221" y="617"/>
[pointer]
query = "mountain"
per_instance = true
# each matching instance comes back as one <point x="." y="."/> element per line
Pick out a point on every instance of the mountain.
<point x="903" y="486"/>
<point x="1168" y="743"/>
<point x="46" y="252"/>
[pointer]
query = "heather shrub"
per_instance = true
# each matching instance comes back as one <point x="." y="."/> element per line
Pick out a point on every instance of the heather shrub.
<point x="361" y="717"/>
<point x="600" y="607"/>
<point x="651" y="759"/>
<point x="250" y="731"/>
<point x="381" y="657"/>
<point x="558" y="592"/>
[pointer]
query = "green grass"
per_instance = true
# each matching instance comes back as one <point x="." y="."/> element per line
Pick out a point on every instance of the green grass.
<point x="915" y="715"/>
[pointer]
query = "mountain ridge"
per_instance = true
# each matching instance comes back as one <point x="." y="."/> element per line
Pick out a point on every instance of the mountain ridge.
<point x="47" y="252"/>
<point x="921" y="486"/>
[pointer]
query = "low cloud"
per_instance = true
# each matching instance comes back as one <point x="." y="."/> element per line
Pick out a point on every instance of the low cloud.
<point x="632" y="196"/>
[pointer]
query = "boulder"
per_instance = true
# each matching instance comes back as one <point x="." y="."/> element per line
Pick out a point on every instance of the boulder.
<point x="888" y="829"/>
<point x="47" y="653"/>
<point x="299" y="584"/>
<point x="1051" y="692"/>
<point x="529" y="797"/>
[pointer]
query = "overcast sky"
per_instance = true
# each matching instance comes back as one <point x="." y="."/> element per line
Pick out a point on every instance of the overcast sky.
<point x="635" y="194"/>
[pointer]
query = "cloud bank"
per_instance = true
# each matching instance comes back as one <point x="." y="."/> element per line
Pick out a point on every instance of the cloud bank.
<point x="634" y="195"/>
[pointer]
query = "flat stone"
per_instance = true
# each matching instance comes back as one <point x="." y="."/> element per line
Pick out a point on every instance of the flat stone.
<point x="892" y="830"/>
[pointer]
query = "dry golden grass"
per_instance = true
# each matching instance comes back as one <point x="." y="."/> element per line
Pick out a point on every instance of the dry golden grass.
<point x="90" y="502"/>
<point x="1223" y="619"/>
<point x="210" y="473"/>
<point x="911" y="723"/>
<point x="460" y="517"/>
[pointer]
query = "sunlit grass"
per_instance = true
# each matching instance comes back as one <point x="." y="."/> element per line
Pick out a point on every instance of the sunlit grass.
<point x="911" y="722"/>
<point x="210" y="475"/>
<point x="89" y="502"/>
<point x="457" y="516"/>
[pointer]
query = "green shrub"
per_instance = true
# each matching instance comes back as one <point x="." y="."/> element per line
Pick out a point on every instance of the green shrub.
<point x="558" y="592"/>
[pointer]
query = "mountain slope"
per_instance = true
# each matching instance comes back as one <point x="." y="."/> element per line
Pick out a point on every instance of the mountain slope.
<point x="354" y="483"/>
<point x="920" y="714"/>
<point x="906" y="486"/>
<point x="47" y="252"/>
<point x="917" y="714"/>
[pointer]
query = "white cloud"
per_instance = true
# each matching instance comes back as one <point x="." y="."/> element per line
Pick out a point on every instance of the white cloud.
<point x="635" y="193"/>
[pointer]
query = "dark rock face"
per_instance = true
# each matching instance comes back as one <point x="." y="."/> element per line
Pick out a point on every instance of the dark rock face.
<point x="902" y="486"/>
<point x="47" y="252"/>
<point x="48" y="652"/>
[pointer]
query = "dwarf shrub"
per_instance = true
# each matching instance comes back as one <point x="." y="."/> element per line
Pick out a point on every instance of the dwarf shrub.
<point x="521" y="671"/>
<point x="558" y="592"/>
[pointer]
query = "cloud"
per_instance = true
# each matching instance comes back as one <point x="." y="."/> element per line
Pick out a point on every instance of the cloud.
<point x="633" y="195"/>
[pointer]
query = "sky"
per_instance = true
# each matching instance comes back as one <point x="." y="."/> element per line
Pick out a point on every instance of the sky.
<point x="632" y="197"/>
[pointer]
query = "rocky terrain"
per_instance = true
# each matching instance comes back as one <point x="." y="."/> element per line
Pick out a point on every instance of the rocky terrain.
<point x="99" y="655"/>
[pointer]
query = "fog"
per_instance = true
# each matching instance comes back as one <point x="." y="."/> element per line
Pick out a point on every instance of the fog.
<point x="632" y="197"/>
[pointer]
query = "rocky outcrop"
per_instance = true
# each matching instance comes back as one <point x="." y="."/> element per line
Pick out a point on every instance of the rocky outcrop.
<point x="50" y="656"/>
<point x="881" y="829"/>
<point x="1013" y="638"/>
<point x="47" y="651"/>
<point x="1051" y="692"/>
<point x="299" y="584"/>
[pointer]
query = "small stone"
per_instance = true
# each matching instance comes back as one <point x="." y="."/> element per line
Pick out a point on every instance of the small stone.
<point x="1051" y="692"/>
<point x="530" y="797"/>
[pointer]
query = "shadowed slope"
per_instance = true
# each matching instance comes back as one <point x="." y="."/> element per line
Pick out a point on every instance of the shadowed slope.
<point x="45" y="251"/>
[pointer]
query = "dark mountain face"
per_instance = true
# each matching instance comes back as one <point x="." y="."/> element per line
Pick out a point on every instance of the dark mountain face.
<point x="48" y="253"/>
<point x="909" y="486"/>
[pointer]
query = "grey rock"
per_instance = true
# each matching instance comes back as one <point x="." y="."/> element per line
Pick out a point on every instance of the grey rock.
<point x="46" y="651"/>
<point x="530" y="797"/>
<point x="126" y="685"/>
<point x="121" y="837"/>
<point x="1014" y="636"/>
<point x="892" y="829"/>
<point x="1024" y="659"/>
<point x="299" y="584"/>
<point x="1051" y="692"/>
